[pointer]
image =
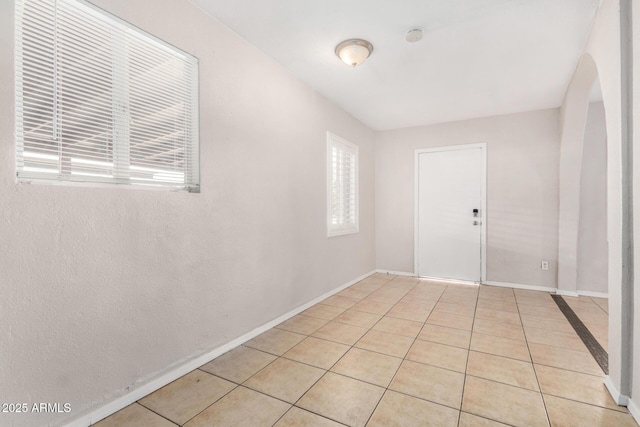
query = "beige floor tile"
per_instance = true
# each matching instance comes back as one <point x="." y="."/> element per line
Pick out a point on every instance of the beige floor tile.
<point x="324" y="311"/>
<point x="498" y="316"/>
<point x="366" y="287"/>
<point x="285" y="379"/>
<point x="531" y="293"/>
<point x="571" y="360"/>
<point x="426" y="294"/>
<point x="302" y="324"/>
<point x="592" y="314"/>
<point x="187" y="396"/>
<point x="413" y="302"/>
<point x="534" y="310"/>
<point x="297" y="417"/>
<point x="381" y="277"/>
<point x="498" y="329"/>
<point x="317" y="352"/>
<point x="604" y="342"/>
<point x="504" y="403"/>
<point x="575" y="386"/>
<point x="496" y="294"/>
<point x="383" y="295"/>
<point x="545" y="302"/>
<point x="424" y="302"/>
<point x="458" y="299"/>
<point x="275" y="341"/>
<point x="238" y="364"/>
<point x="568" y="413"/>
<point x="340" y="301"/>
<point x="510" y="307"/>
<point x="460" y="289"/>
<point x="410" y="311"/>
<point x="403" y="282"/>
<point x="603" y="303"/>
<point x="386" y="343"/>
<point x="340" y="332"/>
<point x="444" y="335"/>
<point x="556" y="339"/>
<point x="430" y="383"/>
<point x="364" y="365"/>
<point x="453" y="308"/>
<point x="358" y="318"/>
<point x="399" y="410"/>
<point x="443" y="356"/>
<point x="451" y="321"/>
<point x="374" y="307"/>
<point x="403" y="327"/>
<point x="241" y="407"/>
<point x="500" y="346"/>
<point x="598" y="330"/>
<point x="342" y="399"/>
<point x="501" y="369"/>
<point x="469" y="420"/>
<point x="134" y="416"/>
<point x="539" y="298"/>
<point x="355" y="293"/>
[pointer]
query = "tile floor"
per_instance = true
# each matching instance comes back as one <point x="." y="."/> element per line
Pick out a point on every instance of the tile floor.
<point x="398" y="351"/>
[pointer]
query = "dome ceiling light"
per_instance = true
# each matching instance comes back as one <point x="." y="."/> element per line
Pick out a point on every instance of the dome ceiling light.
<point x="354" y="52"/>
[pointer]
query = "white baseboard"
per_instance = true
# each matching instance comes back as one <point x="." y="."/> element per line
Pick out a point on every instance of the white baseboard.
<point x="452" y="281"/>
<point x="520" y="286"/>
<point x="397" y="273"/>
<point x="185" y="366"/>
<point x="634" y="410"/>
<point x="618" y="398"/>
<point x="567" y="293"/>
<point x="593" y="294"/>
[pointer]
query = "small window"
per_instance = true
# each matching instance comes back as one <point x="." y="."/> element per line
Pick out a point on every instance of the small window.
<point x="100" y="101"/>
<point x="342" y="186"/>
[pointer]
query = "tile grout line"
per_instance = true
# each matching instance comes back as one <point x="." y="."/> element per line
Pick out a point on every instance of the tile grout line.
<point x="466" y="365"/>
<point x="151" y="410"/>
<point x="533" y="367"/>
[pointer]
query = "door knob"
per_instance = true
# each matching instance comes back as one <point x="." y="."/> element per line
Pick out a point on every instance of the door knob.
<point x="477" y="222"/>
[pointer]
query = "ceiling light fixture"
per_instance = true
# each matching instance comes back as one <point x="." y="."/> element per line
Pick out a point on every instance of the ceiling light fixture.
<point x="354" y="52"/>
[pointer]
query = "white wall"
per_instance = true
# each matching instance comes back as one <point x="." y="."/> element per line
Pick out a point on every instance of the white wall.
<point x="634" y="404"/>
<point x="104" y="289"/>
<point x="592" y="250"/>
<point x="522" y="199"/>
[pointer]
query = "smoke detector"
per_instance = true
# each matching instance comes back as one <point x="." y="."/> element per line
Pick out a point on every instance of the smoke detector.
<point x="413" y="35"/>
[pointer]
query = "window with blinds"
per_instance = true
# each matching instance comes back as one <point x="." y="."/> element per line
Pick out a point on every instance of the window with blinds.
<point x="100" y="101"/>
<point x="342" y="186"/>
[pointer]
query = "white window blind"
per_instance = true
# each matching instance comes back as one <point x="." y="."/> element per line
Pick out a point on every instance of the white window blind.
<point x="100" y="101"/>
<point x="342" y="186"/>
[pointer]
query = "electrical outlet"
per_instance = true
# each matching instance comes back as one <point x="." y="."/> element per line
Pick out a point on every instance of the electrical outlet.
<point x="544" y="265"/>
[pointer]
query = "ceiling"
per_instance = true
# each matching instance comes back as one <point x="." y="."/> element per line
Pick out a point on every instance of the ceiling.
<point x="478" y="58"/>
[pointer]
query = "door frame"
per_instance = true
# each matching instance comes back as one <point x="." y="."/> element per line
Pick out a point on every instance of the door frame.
<point x="483" y="205"/>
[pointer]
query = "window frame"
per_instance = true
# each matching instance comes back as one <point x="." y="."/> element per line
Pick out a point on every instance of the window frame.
<point x="351" y="227"/>
<point x="124" y="173"/>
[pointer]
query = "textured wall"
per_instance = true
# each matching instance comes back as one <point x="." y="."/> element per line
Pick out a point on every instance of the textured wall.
<point x="104" y="288"/>
<point x="522" y="192"/>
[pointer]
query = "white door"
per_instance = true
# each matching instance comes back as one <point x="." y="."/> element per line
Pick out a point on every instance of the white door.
<point x="450" y="211"/>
